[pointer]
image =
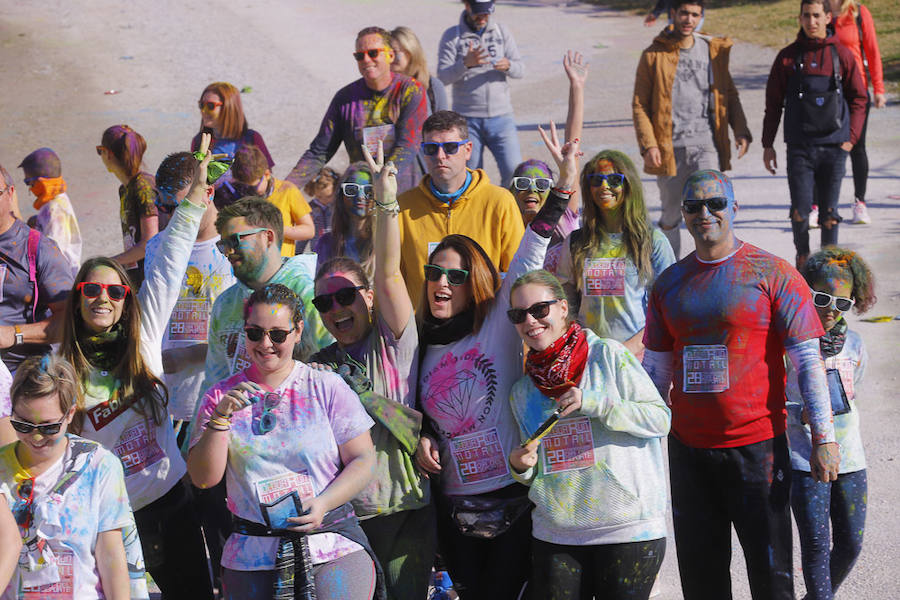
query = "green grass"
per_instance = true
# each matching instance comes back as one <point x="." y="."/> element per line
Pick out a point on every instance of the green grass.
<point x="774" y="23"/>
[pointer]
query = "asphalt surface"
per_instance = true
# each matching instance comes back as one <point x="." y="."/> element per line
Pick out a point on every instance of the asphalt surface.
<point x="59" y="58"/>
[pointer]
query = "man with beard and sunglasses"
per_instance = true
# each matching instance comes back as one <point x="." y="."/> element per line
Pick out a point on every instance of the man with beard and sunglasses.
<point x="251" y="176"/>
<point x="719" y="322"/>
<point x="454" y="199"/>
<point x="380" y="106"/>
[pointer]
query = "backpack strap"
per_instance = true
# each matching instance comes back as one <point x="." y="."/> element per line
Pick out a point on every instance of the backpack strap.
<point x="836" y="75"/>
<point x="34" y="238"/>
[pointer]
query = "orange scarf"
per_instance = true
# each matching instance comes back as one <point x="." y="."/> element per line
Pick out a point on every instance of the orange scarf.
<point x="46" y="189"/>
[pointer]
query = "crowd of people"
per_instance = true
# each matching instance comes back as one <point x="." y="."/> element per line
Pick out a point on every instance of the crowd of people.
<point x="370" y="382"/>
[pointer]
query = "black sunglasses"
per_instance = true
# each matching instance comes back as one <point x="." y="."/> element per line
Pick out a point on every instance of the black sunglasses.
<point x="344" y="296"/>
<point x="716" y="204"/>
<point x="234" y="240"/>
<point x="538" y="310"/>
<point x="255" y="334"/>
<point x="454" y="276"/>
<point x="92" y="289"/>
<point x="431" y="148"/>
<point x="373" y="53"/>
<point x="45" y="429"/>
<point x="613" y="180"/>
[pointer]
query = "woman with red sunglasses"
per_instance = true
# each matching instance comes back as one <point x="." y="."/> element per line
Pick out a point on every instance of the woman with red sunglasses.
<point x="597" y="476"/>
<point x="112" y="336"/>
<point x="293" y="445"/>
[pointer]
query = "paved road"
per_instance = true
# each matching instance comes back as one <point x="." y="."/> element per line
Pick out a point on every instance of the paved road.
<point x="60" y="57"/>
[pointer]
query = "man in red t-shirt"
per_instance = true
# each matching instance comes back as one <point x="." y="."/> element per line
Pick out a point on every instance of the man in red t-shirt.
<point x="718" y="324"/>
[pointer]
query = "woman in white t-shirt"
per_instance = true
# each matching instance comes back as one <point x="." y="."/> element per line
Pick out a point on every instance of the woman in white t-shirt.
<point x="293" y="444"/>
<point x="67" y="494"/>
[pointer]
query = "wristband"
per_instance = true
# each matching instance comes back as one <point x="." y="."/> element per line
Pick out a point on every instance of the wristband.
<point x="212" y="424"/>
<point x="392" y="208"/>
<point x="562" y="192"/>
<point x="216" y="410"/>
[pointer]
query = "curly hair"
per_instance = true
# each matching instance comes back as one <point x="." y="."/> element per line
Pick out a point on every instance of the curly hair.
<point x="833" y="262"/>
<point x="276" y="293"/>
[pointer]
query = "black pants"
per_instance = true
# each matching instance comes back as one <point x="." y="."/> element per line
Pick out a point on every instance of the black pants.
<point x="814" y="175"/>
<point x="609" y="571"/>
<point x="173" y="545"/>
<point x="747" y="486"/>
<point x="217" y="524"/>
<point x="859" y="160"/>
<point x="494" y="569"/>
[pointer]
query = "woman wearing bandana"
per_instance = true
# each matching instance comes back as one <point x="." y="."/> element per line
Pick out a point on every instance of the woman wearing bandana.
<point x="596" y="476"/>
<point x="839" y="280"/>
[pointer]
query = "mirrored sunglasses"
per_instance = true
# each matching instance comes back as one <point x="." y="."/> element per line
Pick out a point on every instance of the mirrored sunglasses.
<point x="613" y="180"/>
<point x="839" y="303"/>
<point x="92" y="289"/>
<point x="538" y="310"/>
<point x="535" y="184"/>
<point x="344" y="296"/>
<point x="431" y="148"/>
<point x="717" y="204"/>
<point x="208" y="106"/>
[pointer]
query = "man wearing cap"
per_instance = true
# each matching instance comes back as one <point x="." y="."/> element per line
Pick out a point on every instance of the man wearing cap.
<point x="381" y="106"/>
<point x="719" y="322"/>
<point x="55" y="217"/>
<point x="477" y="57"/>
<point x="35" y="280"/>
<point x="684" y="101"/>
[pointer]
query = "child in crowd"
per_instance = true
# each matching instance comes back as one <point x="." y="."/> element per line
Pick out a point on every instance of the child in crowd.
<point x="55" y="217"/>
<point x="122" y="152"/>
<point x="252" y="177"/>
<point x="839" y="280"/>
<point x="320" y="191"/>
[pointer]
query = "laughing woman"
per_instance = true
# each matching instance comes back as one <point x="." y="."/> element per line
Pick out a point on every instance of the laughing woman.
<point x="597" y="478"/>
<point x="293" y="445"/>
<point x="472" y="358"/>
<point x="112" y="337"/>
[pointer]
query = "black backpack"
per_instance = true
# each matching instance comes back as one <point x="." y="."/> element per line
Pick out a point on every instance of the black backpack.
<point x="819" y="112"/>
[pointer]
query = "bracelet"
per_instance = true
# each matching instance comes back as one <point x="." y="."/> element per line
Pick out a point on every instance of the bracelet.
<point x="216" y="410"/>
<point x="211" y="424"/>
<point x="560" y="192"/>
<point x="218" y="421"/>
<point x="391" y="208"/>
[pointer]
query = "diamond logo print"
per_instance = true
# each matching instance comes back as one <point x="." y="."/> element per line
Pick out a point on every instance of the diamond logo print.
<point x="452" y="395"/>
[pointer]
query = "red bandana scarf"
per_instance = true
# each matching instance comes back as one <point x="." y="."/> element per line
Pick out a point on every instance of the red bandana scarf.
<point x="560" y="366"/>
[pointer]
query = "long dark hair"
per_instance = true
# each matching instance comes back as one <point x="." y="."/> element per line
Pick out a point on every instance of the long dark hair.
<point x="637" y="235"/>
<point x="341" y="221"/>
<point x="138" y="386"/>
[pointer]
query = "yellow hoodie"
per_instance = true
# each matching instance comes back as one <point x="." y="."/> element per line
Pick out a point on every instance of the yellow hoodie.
<point x="485" y="212"/>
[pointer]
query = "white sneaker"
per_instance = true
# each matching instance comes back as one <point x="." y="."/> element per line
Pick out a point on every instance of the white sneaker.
<point x="860" y="213"/>
<point x="814" y="217"/>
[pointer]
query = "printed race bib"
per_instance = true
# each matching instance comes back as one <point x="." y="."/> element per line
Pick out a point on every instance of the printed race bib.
<point x="271" y="489"/>
<point x="569" y="446"/>
<point x="705" y="368"/>
<point x="240" y="360"/>
<point x="384" y="133"/>
<point x="64" y="589"/>
<point x="138" y="449"/>
<point x="604" y="276"/>
<point x="189" y="321"/>
<point x="479" y="456"/>
<point x="844" y="368"/>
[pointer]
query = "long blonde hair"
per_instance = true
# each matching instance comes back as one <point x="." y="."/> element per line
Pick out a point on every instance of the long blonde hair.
<point x="851" y="5"/>
<point x="409" y="43"/>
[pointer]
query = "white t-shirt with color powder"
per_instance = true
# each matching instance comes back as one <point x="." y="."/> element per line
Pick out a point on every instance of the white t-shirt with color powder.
<point x="318" y="412"/>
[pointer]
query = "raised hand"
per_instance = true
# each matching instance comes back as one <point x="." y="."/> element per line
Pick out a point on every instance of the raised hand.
<point x="576" y="67"/>
<point x="563" y="154"/>
<point x="385" y="176"/>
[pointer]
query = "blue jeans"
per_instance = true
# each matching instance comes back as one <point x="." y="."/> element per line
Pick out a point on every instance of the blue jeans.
<point x="815" y="173"/>
<point x="824" y="511"/>
<point x="501" y="138"/>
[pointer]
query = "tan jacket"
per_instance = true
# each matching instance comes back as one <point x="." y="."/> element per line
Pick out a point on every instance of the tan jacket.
<point x="652" y="103"/>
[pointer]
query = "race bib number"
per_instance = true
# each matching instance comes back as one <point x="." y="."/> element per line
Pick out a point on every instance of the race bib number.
<point x="705" y="368"/>
<point x="240" y="360"/>
<point x="604" y="276"/>
<point x="189" y="321"/>
<point x="64" y="589"/>
<point x="138" y="449"/>
<point x="271" y="489"/>
<point x="383" y="133"/>
<point x="479" y="456"/>
<point x="569" y="446"/>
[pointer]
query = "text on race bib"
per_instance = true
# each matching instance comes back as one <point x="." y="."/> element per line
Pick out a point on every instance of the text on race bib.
<point x="705" y="368"/>
<point x="604" y="276"/>
<point x="138" y="449"/>
<point x="569" y="446"/>
<point x="64" y="589"/>
<point x="479" y="456"/>
<point x="189" y="321"/>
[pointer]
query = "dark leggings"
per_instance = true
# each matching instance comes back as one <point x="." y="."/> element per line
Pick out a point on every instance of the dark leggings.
<point x="608" y="571"/>
<point x="494" y="569"/>
<point x="859" y="160"/>
<point x="173" y="545"/>
<point x="843" y="503"/>
<point x="404" y="543"/>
